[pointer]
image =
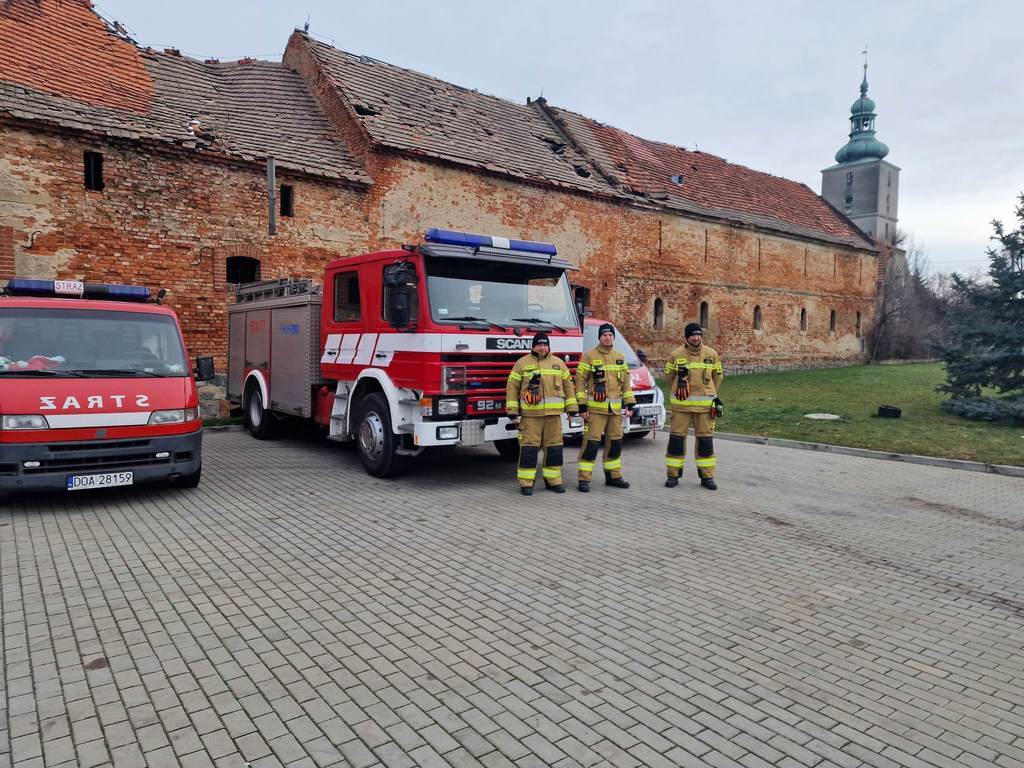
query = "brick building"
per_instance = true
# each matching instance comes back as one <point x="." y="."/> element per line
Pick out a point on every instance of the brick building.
<point x="125" y="164"/>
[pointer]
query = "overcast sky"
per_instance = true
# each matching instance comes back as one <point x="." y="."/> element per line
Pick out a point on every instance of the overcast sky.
<point x="765" y="84"/>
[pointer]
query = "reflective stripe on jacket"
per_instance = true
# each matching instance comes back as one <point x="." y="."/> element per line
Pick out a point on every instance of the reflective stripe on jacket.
<point x="704" y="374"/>
<point x="556" y="394"/>
<point x="618" y="389"/>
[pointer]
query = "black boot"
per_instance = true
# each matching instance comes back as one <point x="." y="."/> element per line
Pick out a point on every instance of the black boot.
<point x="615" y="482"/>
<point x="584" y="486"/>
<point x="526" y="490"/>
<point x="671" y="482"/>
<point x="557" y="488"/>
<point x="709" y="483"/>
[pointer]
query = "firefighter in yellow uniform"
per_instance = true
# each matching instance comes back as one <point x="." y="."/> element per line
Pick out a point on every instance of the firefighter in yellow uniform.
<point x="602" y="388"/>
<point x="694" y="373"/>
<point x="539" y="390"/>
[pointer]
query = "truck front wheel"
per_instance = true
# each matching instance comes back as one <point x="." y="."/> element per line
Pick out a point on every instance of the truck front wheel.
<point x="375" y="441"/>
<point x="508" y="448"/>
<point x="258" y="420"/>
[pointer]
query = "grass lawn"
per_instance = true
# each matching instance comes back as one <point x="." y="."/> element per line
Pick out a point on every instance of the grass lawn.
<point x="773" y="405"/>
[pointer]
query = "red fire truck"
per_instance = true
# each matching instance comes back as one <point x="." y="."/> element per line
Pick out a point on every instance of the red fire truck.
<point x="402" y="350"/>
<point x="95" y="388"/>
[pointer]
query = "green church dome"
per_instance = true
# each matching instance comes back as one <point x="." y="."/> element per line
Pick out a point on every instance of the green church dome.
<point x="862" y="144"/>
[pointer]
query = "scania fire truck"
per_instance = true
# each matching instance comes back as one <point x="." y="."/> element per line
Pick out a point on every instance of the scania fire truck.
<point x="95" y="388"/>
<point x="405" y="349"/>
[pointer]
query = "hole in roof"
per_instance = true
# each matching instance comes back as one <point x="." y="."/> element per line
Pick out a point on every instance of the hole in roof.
<point x="554" y="145"/>
<point x="621" y="166"/>
<point x="365" y="109"/>
<point x="581" y="171"/>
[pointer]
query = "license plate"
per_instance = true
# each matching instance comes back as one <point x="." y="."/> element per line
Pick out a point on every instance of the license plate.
<point x="648" y="410"/>
<point x="105" y="480"/>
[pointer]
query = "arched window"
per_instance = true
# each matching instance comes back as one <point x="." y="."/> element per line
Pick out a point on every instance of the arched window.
<point x="832" y="322"/>
<point x="659" y="314"/>
<point x="242" y="269"/>
<point x="803" y="319"/>
<point x="757" y="318"/>
<point x="858" y="325"/>
<point x="705" y="314"/>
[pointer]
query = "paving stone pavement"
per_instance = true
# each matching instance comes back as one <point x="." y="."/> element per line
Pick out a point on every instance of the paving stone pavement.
<point x="818" y="610"/>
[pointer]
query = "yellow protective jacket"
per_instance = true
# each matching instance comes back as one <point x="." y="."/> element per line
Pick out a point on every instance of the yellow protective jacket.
<point x="555" y="381"/>
<point x="704" y="373"/>
<point x="618" y="389"/>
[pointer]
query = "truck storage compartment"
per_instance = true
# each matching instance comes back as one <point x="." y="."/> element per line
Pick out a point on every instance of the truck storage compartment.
<point x="275" y="326"/>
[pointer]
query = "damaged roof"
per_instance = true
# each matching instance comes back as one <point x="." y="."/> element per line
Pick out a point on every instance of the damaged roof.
<point x="412" y="112"/>
<point x="94" y="80"/>
<point x="705" y="184"/>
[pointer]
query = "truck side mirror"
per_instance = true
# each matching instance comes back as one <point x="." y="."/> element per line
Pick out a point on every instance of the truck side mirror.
<point x="398" y="307"/>
<point x="641" y="356"/>
<point x="204" y="369"/>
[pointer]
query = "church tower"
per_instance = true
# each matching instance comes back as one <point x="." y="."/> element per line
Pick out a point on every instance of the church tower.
<point x="862" y="184"/>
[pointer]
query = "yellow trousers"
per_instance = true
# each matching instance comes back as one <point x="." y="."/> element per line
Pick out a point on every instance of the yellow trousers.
<point x="602" y="428"/>
<point x="704" y="427"/>
<point x="537" y="433"/>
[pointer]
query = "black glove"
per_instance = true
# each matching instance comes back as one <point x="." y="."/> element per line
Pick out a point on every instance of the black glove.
<point x="718" y="407"/>
<point x="583" y="408"/>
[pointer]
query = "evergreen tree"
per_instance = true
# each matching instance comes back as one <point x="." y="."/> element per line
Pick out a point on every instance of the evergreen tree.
<point x="983" y="343"/>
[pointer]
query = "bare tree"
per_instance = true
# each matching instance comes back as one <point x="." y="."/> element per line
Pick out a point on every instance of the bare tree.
<point x="910" y="307"/>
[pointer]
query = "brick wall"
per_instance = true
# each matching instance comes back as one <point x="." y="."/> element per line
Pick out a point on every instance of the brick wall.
<point x="164" y="219"/>
<point x="170" y="219"/>
<point x="630" y="257"/>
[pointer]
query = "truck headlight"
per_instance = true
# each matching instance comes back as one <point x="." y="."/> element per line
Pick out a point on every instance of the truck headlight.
<point x="176" y="416"/>
<point x="27" y="421"/>
<point x="575" y="421"/>
<point x="448" y="406"/>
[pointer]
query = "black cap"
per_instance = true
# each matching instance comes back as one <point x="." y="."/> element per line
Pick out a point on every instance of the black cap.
<point x="540" y="337"/>
<point x="605" y="328"/>
<point x="692" y="328"/>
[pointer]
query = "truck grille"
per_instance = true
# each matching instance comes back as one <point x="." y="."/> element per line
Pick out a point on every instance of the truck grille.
<point x="487" y="374"/>
<point x="105" y="446"/>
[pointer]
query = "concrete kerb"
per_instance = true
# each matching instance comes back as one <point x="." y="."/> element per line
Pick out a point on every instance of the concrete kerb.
<point x="907" y="458"/>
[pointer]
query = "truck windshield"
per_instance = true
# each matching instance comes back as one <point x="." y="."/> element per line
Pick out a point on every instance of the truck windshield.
<point x="97" y="342"/>
<point x="499" y="293"/>
<point x="590" y="341"/>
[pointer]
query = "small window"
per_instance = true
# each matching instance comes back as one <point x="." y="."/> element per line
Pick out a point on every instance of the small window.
<point x="659" y="314"/>
<point x="94" y="171"/>
<point x="849" y="178"/>
<point x="705" y="314"/>
<point x="803" y="319"/>
<point x="242" y="270"/>
<point x="757" y="318"/>
<point x="287" y="200"/>
<point x="346" y="297"/>
<point x="832" y="321"/>
<point x="858" y="325"/>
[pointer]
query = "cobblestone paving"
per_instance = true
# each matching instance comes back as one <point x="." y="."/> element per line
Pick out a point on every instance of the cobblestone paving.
<point x="817" y="611"/>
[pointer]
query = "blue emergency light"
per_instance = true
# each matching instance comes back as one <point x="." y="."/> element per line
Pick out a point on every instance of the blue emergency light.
<point x="20" y="286"/>
<point x="451" y="237"/>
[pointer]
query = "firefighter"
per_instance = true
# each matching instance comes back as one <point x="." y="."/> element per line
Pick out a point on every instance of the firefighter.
<point x="694" y="373"/>
<point x="539" y="389"/>
<point x="602" y="388"/>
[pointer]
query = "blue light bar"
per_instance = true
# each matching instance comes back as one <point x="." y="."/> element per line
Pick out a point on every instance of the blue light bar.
<point x="20" y="286"/>
<point x="451" y="237"/>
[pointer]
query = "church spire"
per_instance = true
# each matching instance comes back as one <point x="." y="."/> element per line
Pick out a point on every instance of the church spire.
<point x="862" y="144"/>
